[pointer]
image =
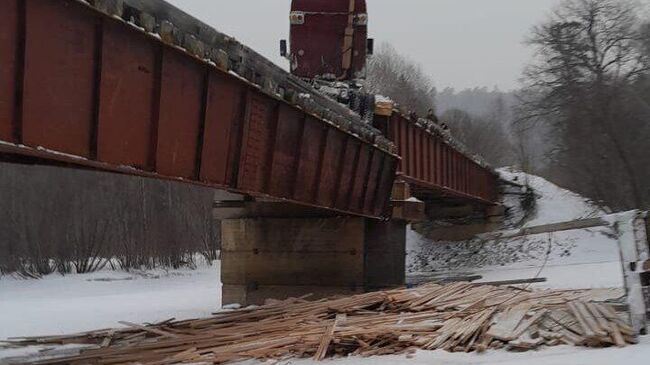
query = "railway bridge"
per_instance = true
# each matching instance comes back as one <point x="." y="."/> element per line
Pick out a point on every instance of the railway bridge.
<point x="313" y="198"/>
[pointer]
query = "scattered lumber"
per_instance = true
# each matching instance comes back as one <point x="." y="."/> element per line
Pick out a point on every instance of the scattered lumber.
<point x="457" y="317"/>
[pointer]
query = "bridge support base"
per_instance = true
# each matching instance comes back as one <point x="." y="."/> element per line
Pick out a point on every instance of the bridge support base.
<point x="461" y="222"/>
<point x="278" y="258"/>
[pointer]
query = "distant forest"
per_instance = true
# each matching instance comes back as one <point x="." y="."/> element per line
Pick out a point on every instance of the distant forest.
<point x="475" y="101"/>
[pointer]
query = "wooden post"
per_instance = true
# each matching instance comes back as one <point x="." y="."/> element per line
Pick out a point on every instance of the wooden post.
<point x="633" y="245"/>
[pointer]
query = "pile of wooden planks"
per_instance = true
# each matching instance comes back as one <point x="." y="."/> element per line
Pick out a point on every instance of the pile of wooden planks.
<point x="455" y="317"/>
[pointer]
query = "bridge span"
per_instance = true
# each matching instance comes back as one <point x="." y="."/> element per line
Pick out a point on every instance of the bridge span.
<point x="138" y="87"/>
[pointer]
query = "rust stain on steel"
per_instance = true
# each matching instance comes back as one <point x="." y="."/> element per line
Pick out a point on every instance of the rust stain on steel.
<point x="180" y="115"/>
<point x="257" y="141"/>
<point x="360" y="176"/>
<point x="59" y="77"/>
<point x="284" y="168"/>
<point x="333" y="159"/>
<point x="308" y="161"/>
<point x="224" y="102"/>
<point x="126" y="107"/>
<point x="349" y="167"/>
<point x="352" y="154"/>
<point x="374" y="177"/>
<point x="385" y="186"/>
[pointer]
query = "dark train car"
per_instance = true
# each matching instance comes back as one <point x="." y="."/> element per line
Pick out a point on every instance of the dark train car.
<point x="328" y="37"/>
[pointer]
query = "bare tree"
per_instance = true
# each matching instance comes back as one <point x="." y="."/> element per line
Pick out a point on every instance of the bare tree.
<point x="476" y="101"/>
<point x="66" y="220"/>
<point x="401" y="79"/>
<point x="645" y="38"/>
<point x="588" y="58"/>
<point x="90" y="231"/>
<point x="202" y="228"/>
<point x="485" y="135"/>
<point x="30" y="232"/>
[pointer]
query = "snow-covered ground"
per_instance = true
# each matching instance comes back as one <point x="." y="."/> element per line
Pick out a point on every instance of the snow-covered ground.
<point x="572" y="259"/>
<point x="554" y="204"/>
<point x="562" y="355"/>
<point x="74" y="303"/>
<point x="585" y="258"/>
<point x="57" y="305"/>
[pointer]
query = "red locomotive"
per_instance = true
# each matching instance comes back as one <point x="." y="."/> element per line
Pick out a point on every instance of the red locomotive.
<point x="328" y="39"/>
<point x="329" y="47"/>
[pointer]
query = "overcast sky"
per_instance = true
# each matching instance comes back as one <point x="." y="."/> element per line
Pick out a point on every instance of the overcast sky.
<point x="460" y="43"/>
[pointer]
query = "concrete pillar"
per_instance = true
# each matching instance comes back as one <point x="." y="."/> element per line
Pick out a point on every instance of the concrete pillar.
<point x="385" y="254"/>
<point x="460" y="222"/>
<point x="278" y="258"/>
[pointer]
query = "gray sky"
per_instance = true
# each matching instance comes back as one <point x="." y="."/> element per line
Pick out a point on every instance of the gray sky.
<point x="460" y="43"/>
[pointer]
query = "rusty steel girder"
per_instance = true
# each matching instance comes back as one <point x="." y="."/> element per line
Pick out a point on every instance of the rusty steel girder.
<point x="81" y="87"/>
<point x="433" y="161"/>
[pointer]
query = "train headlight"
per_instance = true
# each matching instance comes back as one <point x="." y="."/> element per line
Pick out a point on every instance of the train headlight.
<point x="297" y="18"/>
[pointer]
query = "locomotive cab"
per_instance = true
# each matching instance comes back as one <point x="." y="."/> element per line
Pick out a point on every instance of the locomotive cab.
<point x="328" y="39"/>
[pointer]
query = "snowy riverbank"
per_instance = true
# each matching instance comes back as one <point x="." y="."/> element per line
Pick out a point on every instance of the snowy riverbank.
<point x="73" y="303"/>
<point x="572" y="259"/>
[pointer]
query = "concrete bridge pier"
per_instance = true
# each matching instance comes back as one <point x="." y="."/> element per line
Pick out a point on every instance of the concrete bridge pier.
<point x="275" y="250"/>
